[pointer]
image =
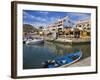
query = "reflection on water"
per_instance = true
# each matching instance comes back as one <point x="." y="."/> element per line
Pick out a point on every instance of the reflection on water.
<point x="34" y="55"/>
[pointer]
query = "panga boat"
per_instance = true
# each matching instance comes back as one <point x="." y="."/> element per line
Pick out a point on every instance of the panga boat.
<point x="63" y="61"/>
<point x="34" y="41"/>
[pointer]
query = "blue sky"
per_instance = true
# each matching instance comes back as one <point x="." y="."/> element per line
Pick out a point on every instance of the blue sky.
<point x="44" y="18"/>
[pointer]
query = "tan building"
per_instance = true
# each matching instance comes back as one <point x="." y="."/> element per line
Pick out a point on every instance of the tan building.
<point x="58" y="25"/>
<point x="85" y="27"/>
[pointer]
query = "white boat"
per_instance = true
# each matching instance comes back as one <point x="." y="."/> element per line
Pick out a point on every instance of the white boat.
<point x="34" y="41"/>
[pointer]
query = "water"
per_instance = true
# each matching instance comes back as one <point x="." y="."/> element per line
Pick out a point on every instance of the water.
<point x="35" y="55"/>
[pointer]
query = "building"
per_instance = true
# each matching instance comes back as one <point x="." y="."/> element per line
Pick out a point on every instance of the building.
<point x="65" y="27"/>
<point x="84" y="26"/>
<point x="60" y="25"/>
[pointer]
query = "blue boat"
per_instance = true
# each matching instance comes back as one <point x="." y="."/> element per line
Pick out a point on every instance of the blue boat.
<point x="64" y="60"/>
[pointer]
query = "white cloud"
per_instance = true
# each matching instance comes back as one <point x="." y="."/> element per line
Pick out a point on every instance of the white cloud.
<point x="44" y="13"/>
<point x="38" y="24"/>
<point x="54" y="19"/>
<point x="40" y="19"/>
<point x="27" y="15"/>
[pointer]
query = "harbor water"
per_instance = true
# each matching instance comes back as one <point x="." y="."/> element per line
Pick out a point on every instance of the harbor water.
<point x="34" y="55"/>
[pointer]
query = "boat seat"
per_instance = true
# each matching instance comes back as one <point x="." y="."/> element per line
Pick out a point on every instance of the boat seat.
<point x="56" y="65"/>
<point x="64" y="61"/>
<point x="61" y="62"/>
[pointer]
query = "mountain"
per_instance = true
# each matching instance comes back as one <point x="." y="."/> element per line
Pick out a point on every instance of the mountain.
<point x="29" y="28"/>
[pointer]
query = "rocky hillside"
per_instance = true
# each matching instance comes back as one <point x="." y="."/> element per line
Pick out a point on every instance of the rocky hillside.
<point x="29" y="28"/>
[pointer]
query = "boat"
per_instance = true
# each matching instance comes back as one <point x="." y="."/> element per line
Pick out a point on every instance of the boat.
<point x="35" y="41"/>
<point x="24" y="41"/>
<point x="63" y="61"/>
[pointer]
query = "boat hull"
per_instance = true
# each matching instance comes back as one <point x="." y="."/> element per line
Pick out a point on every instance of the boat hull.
<point x="35" y="41"/>
<point x="64" y="61"/>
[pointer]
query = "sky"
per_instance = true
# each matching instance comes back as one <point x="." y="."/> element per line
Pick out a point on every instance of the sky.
<point x="44" y="18"/>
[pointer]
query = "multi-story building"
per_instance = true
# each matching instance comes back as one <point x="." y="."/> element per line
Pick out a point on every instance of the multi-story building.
<point x="59" y="25"/>
<point x="84" y="26"/>
<point x="68" y="27"/>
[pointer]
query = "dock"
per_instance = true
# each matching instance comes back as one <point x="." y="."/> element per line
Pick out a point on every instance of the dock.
<point x="69" y="40"/>
<point x="65" y="40"/>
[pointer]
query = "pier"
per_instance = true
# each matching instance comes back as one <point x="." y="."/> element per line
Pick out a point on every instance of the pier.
<point x="69" y="40"/>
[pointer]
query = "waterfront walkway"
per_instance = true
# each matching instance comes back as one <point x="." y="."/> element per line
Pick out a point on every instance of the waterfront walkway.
<point x="65" y="40"/>
<point x="69" y="40"/>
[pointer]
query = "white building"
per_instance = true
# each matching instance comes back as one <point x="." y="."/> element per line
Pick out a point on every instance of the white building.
<point x="59" y="25"/>
<point x="84" y="25"/>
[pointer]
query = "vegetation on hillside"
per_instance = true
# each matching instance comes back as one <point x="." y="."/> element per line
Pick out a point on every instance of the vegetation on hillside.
<point x="27" y="28"/>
